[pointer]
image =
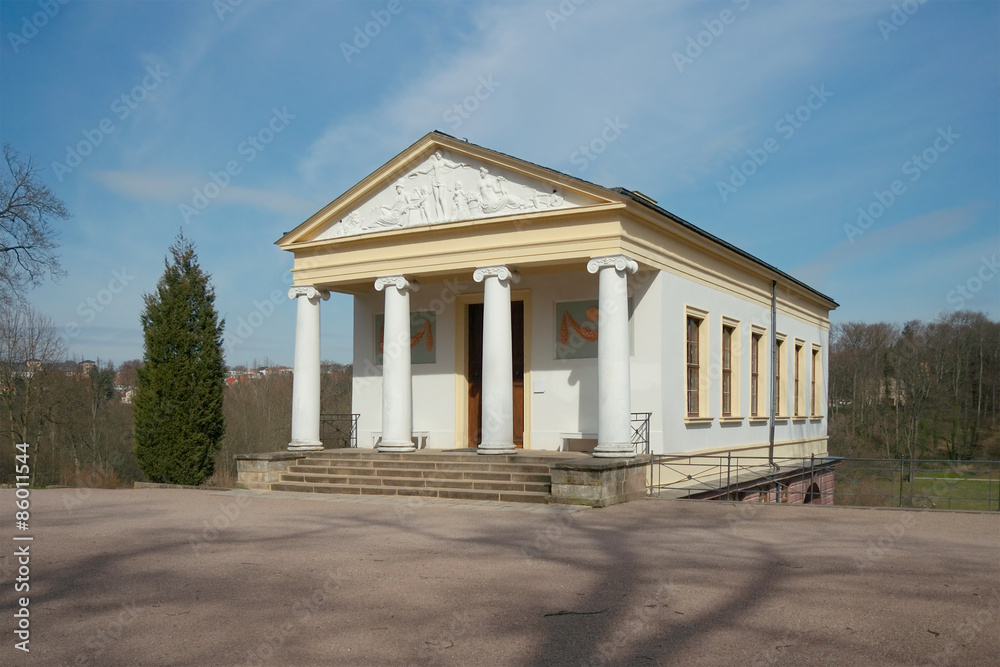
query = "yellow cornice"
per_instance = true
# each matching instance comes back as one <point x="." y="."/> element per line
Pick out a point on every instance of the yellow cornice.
<point x="379" y="238"/>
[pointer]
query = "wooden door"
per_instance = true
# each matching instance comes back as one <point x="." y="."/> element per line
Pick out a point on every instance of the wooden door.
<point x="474" y="372"/>
<point x="517" y="348"/>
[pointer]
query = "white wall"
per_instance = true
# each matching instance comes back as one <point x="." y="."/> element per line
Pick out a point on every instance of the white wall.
<point x="433" y="384"/>
<point x="678" y="436"/>
<point x="566" y="396"/>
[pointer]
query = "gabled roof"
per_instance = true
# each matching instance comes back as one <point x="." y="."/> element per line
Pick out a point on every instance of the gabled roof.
<point x="423" y="148"/>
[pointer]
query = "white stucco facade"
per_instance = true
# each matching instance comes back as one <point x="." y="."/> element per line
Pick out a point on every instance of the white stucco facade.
<point x="561" y="395"/>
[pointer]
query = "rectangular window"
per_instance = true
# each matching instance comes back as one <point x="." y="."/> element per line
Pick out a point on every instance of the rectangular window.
<point x="797" y="371"/>
<point x="727" y="371"/>
<point x="693" y="367"/>
<point x="779" y="347"/>
<point x="814" y="383"/>
<point x="755" y="342"/>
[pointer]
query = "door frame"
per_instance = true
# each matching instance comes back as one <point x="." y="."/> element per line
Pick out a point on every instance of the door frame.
<point x="462" y="302"/>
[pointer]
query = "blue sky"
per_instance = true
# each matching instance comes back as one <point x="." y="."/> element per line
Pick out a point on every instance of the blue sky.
<point x="890" y="107"/>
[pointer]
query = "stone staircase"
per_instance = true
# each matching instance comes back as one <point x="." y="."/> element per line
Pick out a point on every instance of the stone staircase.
<point x="462" y="474"/>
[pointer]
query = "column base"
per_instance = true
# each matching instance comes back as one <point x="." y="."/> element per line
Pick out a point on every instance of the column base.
<point x="496" y="448"/>
<point x="615" y="450"/>
<point x="396" y="447"/>
<point x="305" y="446"/>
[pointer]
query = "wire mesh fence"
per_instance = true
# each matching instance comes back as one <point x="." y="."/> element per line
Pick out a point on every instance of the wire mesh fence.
<point x="929" y="484"/>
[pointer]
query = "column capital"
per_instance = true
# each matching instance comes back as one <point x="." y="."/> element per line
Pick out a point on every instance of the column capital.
<point x="620" y="262"/>
<point x="308" y="291"/>
<point x="399" y="282"/>
<point x="504" y="273"/>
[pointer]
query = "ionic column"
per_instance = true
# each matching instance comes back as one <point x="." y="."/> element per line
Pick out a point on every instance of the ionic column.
<point x="498" y="374"/>
<point x="614" y="388"/>
<point x="397" y="388"/>
<point x="305" y="381"/>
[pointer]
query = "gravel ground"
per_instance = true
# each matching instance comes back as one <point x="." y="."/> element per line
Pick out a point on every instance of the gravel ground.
<point x="192" y="577"/>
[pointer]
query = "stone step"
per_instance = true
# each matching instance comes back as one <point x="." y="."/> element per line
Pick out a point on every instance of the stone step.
<point x="428" y="492"/>
<point x="468" y="456"/>
<point x="317" y="465"/>
<point x="418" y="482"/>
<point x="450" y="474"/>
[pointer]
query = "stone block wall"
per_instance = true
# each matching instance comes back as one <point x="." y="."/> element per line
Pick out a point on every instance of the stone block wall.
<point x="258" y="471"/>
<point x="599" y="482"/>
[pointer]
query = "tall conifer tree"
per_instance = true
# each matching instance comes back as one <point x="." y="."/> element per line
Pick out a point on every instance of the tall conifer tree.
<point x="178" y="407"/>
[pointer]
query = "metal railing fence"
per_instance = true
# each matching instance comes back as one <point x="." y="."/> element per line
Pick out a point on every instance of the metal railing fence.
<point x="338" y="430"/>
<point x="858" y="482"/>
<point x="640" y="431"/>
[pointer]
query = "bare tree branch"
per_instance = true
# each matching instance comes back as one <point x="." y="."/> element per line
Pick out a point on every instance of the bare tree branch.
<point x="27" y="240"/>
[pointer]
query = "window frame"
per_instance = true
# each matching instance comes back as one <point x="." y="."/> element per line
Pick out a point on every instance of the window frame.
<point x="726" y="409"/>
<point x="696" y="387"/>
<point x="797" y="387"/>
<point x="816" y="374"/>
<point x="781" y="407"/>
<point x="757" y="337"/>
<point x="733" y="372"/>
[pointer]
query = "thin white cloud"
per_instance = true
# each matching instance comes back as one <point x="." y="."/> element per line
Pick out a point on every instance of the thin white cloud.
<point x="919" y="231"/>
<point x="558" y="86"/>
<point x="180" y="188"/>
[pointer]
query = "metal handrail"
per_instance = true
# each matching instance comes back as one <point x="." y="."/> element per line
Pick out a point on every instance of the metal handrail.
<point x="640" y="431"/>
<point x="339" y="430"/>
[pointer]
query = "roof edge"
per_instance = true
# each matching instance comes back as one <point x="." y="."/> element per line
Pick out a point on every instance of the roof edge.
<point x="715" y="239"/>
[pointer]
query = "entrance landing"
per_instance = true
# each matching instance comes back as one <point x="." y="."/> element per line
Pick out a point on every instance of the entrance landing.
<point x="529" y="477"/>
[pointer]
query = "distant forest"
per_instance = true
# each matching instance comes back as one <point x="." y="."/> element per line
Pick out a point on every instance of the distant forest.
<point x="923" y="389"/>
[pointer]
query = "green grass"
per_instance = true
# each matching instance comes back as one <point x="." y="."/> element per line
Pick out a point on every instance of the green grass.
<point x="944" y="489"/>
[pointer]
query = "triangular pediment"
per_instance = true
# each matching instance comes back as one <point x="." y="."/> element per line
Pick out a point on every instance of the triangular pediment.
<point x="443" y="180"/>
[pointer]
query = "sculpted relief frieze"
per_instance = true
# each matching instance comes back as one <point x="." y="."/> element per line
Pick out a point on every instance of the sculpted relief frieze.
<point x="444" y="189"/>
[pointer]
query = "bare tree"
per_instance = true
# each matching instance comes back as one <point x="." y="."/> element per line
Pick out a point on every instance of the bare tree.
<point x="27" y="240"/>
<point x="29" y="348"/>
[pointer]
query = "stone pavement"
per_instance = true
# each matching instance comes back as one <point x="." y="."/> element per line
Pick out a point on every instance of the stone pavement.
<point x="192" y="577"/>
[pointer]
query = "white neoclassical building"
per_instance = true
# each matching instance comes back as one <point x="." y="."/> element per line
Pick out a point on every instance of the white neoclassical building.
<point x="502" y="305"/>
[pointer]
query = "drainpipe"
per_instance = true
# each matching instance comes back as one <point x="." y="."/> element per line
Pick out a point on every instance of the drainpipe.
<point x="773" y="341"/>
